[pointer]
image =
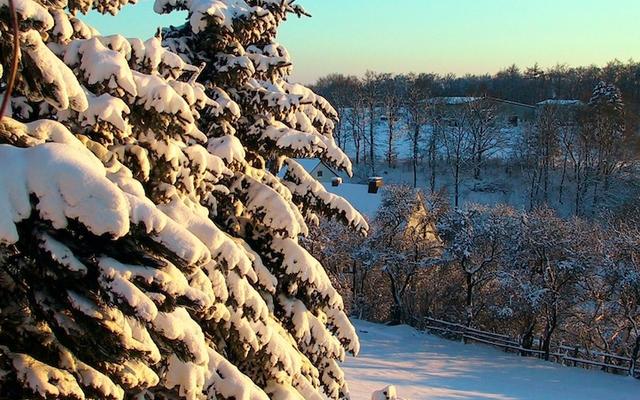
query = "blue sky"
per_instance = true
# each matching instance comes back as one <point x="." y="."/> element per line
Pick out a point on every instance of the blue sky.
<point x="459" y="36"/>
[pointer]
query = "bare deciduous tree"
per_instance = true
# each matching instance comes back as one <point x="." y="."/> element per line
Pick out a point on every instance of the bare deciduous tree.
<point x="456" y="138"/>
<point x="486" y="137"/>
<point x="416" y="114"/>
<point x="371" y="98"/>
<point x="393" y="96"/>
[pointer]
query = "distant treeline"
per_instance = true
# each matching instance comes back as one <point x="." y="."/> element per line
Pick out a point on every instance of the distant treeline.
<point x="529" y="85"/>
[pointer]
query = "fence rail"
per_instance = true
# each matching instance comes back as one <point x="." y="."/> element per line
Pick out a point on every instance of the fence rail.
<point x="564" y="354"/>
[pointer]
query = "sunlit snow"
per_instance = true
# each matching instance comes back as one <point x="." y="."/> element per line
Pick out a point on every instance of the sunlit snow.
<point x="426" y="367"/>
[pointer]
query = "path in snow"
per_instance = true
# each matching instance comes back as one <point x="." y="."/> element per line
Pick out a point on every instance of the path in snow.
<point x="427" y="367"/>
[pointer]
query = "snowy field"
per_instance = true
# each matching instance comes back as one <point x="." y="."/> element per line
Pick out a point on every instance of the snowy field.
<point x="425" y="367"/>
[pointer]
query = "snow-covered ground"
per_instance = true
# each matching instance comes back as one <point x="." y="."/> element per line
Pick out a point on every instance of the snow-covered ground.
<point x="359" y="197"/>
<point x="425" y="367"/>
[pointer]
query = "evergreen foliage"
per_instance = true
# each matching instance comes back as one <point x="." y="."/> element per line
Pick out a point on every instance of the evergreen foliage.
<point x="148" y="248"/>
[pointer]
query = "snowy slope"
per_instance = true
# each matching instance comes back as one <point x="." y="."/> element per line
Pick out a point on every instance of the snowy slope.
<point x="359" y="197"/>
<point x="427" y="367"/>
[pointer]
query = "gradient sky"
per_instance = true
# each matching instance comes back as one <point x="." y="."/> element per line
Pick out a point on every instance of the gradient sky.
<point x="459" y="36"/>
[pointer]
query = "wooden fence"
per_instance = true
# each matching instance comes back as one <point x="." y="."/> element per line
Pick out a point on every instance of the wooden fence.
<point x="563" y="354"/>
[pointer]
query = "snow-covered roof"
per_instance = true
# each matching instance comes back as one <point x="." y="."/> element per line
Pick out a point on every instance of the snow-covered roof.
<point x="511" y="102"/>
<point x="453" y="100"/>
<point x="560" y="102"/>
<point x="359" y="197"/>
<point x="309" y="164"/>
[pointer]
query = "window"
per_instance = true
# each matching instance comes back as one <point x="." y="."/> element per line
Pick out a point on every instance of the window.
<point x="319" y="173"/>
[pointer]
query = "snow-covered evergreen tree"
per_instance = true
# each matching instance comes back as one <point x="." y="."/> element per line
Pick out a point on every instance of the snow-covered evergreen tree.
<point x="147" y="247"/>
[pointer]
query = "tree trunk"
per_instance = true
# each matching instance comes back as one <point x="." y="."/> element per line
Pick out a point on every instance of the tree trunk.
<point x="432" y="163"/>
<point x="476" y="168"/>
<point x="547" y="165"/>
<point x="372" y="122"/>
<point x="578" y="190"/>
<point x="532" y="190"/>
<point x="390" y="143"/>
<point x="469" y="299"/>
<point x="396" y="309"/>
<point x="527" y="337"/>
<point x="356" y="144"/>
<point x="550" y="327"/>
<point x="595" y="197"/>
<point x="354" y="286"/>
<point x="363" y="279"/>
<point x="539" y="174"/>
<point x="564" y="175"/>
<point x="457" y="183"/>
<point x="415" y="139"/>
<point x="415" y="163"/>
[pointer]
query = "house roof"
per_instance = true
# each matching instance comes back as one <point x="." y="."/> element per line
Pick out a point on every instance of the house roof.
<point x="560" y="102"/>
<point x="515" y="103"/>
<point x="453" y="100"/>
<point x="467" y="100"/>
<point x="308" y="164"/>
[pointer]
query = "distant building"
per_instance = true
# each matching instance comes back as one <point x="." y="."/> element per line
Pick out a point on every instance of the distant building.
<point x="509" y="113"/>
<point x="514" y="113"/>
<point x="316" y="168"/>
<point x="560" y="103"/>
<point x="566" y="111"/>
<point x="452" y="100"/>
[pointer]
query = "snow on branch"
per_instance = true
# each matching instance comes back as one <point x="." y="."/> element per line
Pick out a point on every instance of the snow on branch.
<point x="67" y="185"/>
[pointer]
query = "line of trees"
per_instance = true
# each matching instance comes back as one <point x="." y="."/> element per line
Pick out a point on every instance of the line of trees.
<point x="530" y="274"/>
<point x="529" y="85"/>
